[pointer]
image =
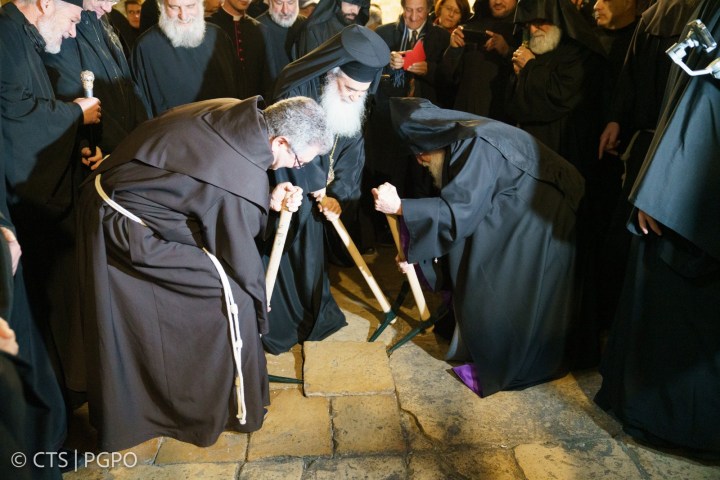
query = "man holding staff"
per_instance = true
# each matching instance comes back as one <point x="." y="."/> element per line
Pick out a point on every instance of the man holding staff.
<point x="505" y="221"/>
<point x="338" y="74"/>
<point x="168" y="259"/>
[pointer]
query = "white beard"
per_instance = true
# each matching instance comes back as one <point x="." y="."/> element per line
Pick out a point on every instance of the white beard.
<point x="188" y="35"/>
<point x="345" y="119"/>
<point x="50" y="32"/>
<point x="435" y="167"/>
<point x="544" y="42"/>
<point x="283" y="21"/>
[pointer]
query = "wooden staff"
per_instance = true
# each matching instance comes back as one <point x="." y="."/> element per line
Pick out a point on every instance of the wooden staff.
<point x="411" y="274"/>
<point x="277" y="250"/>
<point x="362" y="266"/>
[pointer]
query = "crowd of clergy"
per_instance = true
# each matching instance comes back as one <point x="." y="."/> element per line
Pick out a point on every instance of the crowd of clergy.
<point x="530" y="149"/>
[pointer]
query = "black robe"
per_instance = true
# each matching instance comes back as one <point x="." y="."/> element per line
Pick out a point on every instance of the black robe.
<point x="252" y="74"/>
<point x="128" y="35"/>
<point x="97" y="48"/>
<point x="41" y="181"/>
<point x="661" y="369"/>
<point x="302" y="305"/>
<point x="481" y="77"/>
<point x="505" y="221"/>
<point x="170" y="76"/>
<point x="323" y="24"/>
<point x="278" y="47"/>
<point x="157" y="335"/>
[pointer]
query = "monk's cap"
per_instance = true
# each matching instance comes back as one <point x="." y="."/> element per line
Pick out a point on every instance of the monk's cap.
<point x="359" y="71"/>
<point x="78" y="3"/>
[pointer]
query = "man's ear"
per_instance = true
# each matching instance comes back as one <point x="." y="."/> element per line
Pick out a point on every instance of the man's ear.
<point x="45" y="6"/>
<point x="277" y="142"/>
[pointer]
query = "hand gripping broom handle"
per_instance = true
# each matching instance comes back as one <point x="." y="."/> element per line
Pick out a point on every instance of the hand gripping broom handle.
<point x="276" y="252"/>
<point x="411" y="274"/>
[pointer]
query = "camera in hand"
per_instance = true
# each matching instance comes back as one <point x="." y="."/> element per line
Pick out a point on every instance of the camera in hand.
<point x="474" y="34"/>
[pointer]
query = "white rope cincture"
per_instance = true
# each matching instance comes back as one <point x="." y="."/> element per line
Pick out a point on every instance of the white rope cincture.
<point x="235" y="338"/>
<point x="230" y="305"/>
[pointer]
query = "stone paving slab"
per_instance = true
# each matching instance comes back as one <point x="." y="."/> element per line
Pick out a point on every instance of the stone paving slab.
<point x="87" y="474"/>
<point x="417" y="440"/>
<point x="495" y="464"/>
<point x="230" y="447"/>
<point x="366" y="468"/>
<point x="346" y="368"/>
<point x="452" y="414"/>
<point x="667" y="466"/>
<point x="295" y="426"/>
<point x="287" y="364"/>
<point x="283" y="469"/>
<point x="367" y="424"/>
<point x="602" y="459"/>
<point x="190" y="471"/>
<point x="146" y="452"/>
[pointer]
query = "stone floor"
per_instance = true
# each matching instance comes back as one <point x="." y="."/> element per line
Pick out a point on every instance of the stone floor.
<point x="362" y="415"/>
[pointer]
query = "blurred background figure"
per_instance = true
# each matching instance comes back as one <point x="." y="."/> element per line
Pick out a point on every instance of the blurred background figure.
<point x="307" y="7"/>
<point x="211" y="6"/>
<point x="376" y="17"/>
<point x="451" y="13"/>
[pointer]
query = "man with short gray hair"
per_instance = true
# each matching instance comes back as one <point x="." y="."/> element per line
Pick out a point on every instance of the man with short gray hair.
<point x="169" y="226"/>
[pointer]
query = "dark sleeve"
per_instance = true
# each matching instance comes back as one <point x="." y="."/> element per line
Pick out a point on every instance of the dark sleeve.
<point x="436" y="224"/>
<point x="546" y="91"/>
<point x="137" y="65"/>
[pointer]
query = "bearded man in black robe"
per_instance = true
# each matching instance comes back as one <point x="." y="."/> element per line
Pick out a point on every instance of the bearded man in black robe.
<point x="278" y="25"/>
<point x="555" y="96"/>
<point x="183" y="59"/>
<point x="339" y="74"/>
<point x="41" y="171"/>
<point x="505" y="222"/>
<point x="246" y="35"/>
<point x="329" y="18"/>
<point x="661" y="366"/>
<point x="160" y="354"/>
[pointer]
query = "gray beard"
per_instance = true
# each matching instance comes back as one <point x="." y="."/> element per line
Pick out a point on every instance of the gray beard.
<point x="344" y="119"/>
<point x="435" y="167"/>
<point x="283" y="22"/>
<point x="545" y="42"/>
<point x="50" y="32"/>
<point x="189" y="35"/>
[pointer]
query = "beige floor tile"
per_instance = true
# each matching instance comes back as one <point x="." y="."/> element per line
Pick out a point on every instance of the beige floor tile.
<point x="366" y="425"/>
<point x="295" y="426"/>
<point x="346" y="368"/>
<point x="230" y="447"/>
<point x="276" y="469"/>
<point x="601" y="460"/>
<point x="365" y="468"/>
<point x="192" y="471"/>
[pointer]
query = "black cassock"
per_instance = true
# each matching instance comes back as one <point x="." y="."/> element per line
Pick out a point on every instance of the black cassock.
<point x="278" y="47"/>
<point x="170" y="76"/>
<point x="38" y="133"/>
<point x="247" y="38"/>
<point x="160" y="361"/>
<point x="302" y="306"/>
<point x="661" y="367"/>
<point x="97" y="48"/>
<point x="505" y="221"/>
<point x="324" y="23"/>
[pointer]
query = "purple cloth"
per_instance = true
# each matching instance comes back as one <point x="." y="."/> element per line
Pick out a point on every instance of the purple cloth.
<point x="468" y="374"/>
